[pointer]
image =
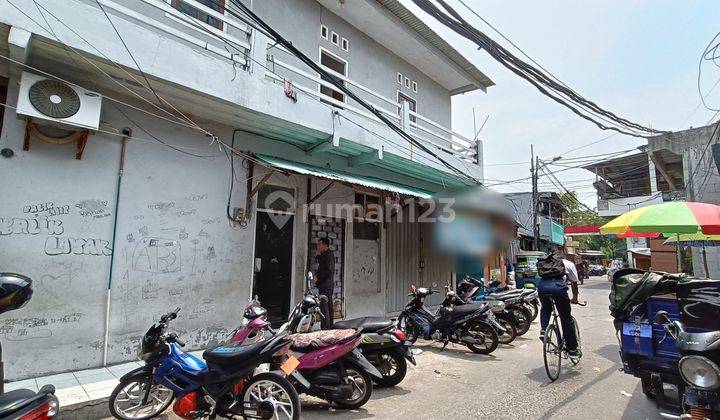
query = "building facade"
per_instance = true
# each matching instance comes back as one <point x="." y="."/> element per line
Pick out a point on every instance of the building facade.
<point x="214" y="163"/>
<point x="550" y="219"/>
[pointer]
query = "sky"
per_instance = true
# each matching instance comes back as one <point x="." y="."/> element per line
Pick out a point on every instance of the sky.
<point x="638" y="59"/>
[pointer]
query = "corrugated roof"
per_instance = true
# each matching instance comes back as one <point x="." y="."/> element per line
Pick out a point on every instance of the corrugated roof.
<point x="414" y="22"/>
<point x="328" y="173"/>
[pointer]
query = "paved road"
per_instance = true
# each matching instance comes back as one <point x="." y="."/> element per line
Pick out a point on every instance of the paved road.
<point x="511" y="383"/>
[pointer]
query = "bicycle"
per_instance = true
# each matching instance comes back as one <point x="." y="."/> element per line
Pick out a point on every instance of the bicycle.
<point x="554" y="345"/>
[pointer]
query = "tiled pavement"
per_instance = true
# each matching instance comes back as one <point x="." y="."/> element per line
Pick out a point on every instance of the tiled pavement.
<point x="81" y="386"/>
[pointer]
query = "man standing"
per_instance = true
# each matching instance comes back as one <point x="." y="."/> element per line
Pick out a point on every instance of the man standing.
<point x="325" y="281"/>
<point x="556" y="288"/>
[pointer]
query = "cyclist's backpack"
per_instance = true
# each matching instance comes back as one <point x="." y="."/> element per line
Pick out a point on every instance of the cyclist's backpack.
<point x="551" y="267"/>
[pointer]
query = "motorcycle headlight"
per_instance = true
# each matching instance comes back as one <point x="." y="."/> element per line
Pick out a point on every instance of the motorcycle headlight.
<point x="700" y="372"/>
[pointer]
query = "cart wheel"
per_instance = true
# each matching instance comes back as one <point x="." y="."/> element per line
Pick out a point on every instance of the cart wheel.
<point x="647" y="387"/>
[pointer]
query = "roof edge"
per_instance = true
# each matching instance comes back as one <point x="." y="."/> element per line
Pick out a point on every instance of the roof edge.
<point x="440" y="45"/>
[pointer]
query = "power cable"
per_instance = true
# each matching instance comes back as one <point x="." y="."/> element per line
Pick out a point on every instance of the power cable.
<point x="147" y="81"/>
<point x="542" y="81"/>
<point x="51" y="32"/>
<point x="341" y="86"/>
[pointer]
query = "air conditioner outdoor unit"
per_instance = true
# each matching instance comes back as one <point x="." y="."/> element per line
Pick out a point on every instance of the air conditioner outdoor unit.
<point x="58" y="103"/>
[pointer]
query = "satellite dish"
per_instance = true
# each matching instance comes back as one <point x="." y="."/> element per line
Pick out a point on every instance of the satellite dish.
<point x="54" y="98"/>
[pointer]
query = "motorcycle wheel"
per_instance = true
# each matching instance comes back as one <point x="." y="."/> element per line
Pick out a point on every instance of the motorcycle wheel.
<point x="393" y="367"/>
<point x="362" y="388"/>
<point x="484" y="331"/>
<point x="412" y="331"/>
<point x="524" y="318"/>
<point x="126" y="399"/>
<point x="269" y="394"/>
<point x="510" y="330"/>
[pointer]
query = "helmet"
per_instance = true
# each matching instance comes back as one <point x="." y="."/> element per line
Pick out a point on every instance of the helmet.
<point x="15" y="291"/>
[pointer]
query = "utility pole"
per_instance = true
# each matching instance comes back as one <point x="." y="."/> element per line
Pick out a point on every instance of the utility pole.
<point x="533" y="169"/>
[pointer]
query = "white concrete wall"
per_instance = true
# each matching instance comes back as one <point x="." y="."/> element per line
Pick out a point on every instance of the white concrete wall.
<point x="618" y="206"/>
<point x="56" y="222"/>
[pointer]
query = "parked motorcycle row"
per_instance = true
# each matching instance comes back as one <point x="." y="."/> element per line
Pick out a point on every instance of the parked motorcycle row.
<point x="340" y="365"/>
<point x="259" y="371"/>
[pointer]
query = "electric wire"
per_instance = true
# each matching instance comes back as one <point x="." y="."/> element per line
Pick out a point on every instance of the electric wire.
<point x="542" y="81"/>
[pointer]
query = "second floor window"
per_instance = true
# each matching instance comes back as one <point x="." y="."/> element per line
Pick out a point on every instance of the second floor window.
<point x="411" y="103"/>
<point x="338" y="66"/>
<point x="217" y="5"/>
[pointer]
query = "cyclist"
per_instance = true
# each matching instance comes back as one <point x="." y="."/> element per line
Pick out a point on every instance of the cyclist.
<point x="557" y="288"/>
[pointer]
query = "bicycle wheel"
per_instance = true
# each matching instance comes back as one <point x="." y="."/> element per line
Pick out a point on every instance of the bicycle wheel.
<point x="552" y="351"/>
<point x="575" y="361"/>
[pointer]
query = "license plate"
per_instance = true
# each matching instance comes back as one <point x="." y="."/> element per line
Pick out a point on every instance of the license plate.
<point x="290" y="365"/>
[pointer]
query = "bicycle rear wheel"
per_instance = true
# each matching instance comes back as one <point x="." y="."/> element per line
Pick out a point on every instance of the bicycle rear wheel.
<point x="552" y="351"/>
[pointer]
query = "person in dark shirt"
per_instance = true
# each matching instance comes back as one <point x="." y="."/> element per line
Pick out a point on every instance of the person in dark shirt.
<point x="325" y="280"/>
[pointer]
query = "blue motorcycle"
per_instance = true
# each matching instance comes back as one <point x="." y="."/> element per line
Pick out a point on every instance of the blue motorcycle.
<point x="221" y="384"/>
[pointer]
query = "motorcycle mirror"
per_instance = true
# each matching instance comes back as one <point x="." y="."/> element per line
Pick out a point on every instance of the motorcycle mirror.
<point x="661" y="317"/>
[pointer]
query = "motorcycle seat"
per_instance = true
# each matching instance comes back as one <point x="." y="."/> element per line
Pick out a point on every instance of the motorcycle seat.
<point x="366" y="324"/>
<point x="509" y="294"/>
<point x="320" y="339"/>
<point x="13" y="400"/>
<point x="233" y="354"/>
<point x="462" y="310"/>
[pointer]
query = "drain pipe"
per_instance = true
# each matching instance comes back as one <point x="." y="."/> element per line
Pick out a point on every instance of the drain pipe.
<point x="127" y="133"/>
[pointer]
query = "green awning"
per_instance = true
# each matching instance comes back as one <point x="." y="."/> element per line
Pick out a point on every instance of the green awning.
<point x="332" y="174"/>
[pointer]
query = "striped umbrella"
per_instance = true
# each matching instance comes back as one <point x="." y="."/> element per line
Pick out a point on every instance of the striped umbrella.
<point x="670" y="219"/>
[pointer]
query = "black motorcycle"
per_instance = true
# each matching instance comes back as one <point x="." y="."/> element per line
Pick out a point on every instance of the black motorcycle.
<point x="519" y="302"/>
<point x="463" y="324"/>
<point x="698" y="367"/>
<point x="15" y="292"/>
<point x="504" y="321"/>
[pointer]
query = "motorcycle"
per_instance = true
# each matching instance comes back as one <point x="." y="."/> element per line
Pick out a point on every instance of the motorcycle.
<point x="15" y="292"/>
<point x="519" y="302"/>
<point x="335" y="369"/>
<point x="698" y="367"/>
<point x="500" y="318"/>
<point x="463" y="324"/>
<point x="221" y="384"/>
<point x="385" y="346"/>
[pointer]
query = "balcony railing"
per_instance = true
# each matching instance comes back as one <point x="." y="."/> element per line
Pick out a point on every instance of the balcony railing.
<point x="238" y="34"/>
<point x="195" y="31"/>
<point x="419" y="126"/>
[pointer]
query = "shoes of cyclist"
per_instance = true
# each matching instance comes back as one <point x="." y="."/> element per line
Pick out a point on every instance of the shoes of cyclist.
<point x="542" y="336"/>
<point x="575" y="354"/>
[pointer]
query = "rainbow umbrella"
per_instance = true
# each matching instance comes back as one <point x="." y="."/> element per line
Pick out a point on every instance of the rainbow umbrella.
<point x="674" y="218"/>
<point x="670" y="219"/>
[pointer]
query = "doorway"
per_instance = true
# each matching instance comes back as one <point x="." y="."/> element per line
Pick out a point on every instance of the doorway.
<point x="273" y="265"/>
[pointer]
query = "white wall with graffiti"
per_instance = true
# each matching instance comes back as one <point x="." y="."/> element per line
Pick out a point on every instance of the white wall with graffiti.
<point x="56" y="224"/>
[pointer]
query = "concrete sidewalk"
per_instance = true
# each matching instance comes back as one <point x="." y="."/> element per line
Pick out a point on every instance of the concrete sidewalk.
<point x="82" y="394"/>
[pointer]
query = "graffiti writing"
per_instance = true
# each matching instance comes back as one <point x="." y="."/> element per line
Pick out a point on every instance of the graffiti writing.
<point x="162" y="206"/>
<point x="57" y="245"/>
<point x="155" y="255"/>
<point x="93" y="208"/>
<point x="48" y="207"/>
<point x="21" y="226"/>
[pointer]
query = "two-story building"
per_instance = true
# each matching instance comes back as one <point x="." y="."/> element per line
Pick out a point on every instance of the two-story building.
<point x="550" y="219"/>
<point x="164" y="153"/>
